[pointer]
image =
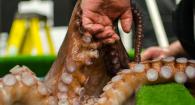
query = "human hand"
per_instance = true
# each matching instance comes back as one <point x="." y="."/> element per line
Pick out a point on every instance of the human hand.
<point x="155" y="52"/>
<point x="98" y="17"/>
<point x="174" y="49"/>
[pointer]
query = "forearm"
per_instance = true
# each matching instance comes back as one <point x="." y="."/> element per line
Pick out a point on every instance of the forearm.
<point x="176" y="49"/>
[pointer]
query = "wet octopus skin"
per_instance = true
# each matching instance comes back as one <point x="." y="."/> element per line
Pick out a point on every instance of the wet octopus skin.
<point x="23" y="87"/>
<point x="79" y="76"/>
<point x="128" y="81"/>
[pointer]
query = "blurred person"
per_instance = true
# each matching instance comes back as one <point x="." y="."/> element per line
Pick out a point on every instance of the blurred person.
<point x="183" y="25"/>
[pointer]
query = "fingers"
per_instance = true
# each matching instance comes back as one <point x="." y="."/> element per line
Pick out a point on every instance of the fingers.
<point x="108" y="32"/>
<point x="111" y="39"/>
<point x="153" y="52"/>
<point x="108" y="36"/>
<point x="94" y="22"/>
<point x="146" y="55"/>
<point x="126" y="20"/>
<point x="89" y="26"/>
<point x="100" y="26"/>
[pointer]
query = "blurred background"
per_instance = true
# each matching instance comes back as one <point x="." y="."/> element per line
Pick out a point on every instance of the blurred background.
<point x="31" y="31"/>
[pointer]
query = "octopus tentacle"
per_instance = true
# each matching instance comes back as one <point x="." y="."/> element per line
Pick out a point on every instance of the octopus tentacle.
<point x="116" y="53"/>
<point x="137" y="18"/>
<point x="125" y="83"/>
<point x="75" y="64"/>
<point x="22" y="87"/>
<point x="115" y="57"/>
<point x="81" y="73"/>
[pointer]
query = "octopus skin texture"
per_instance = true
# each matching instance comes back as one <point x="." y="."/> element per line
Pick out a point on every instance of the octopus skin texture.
<point x="87" y="74"/>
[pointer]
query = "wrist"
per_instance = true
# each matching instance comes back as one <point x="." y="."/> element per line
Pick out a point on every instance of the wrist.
<point x="167" y="52"/>
<point x="176" y="49"/>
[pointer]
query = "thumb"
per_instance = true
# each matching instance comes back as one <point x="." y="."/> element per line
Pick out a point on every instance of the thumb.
<point x="145" y="55"/>
<point x="126" y="20"/>
<point x="151" y="53"/>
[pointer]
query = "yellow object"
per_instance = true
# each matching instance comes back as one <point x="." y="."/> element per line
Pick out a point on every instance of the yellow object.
<point x="16" y="37"/>
<point x="35" y="35"/>
<point x="50" y="43"/>
<point x="27" y="45"/>
<point x="26" y="38"/>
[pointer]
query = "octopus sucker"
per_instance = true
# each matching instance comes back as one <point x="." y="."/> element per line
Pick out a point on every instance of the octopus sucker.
<point x="88" y="72"/>
<point x="16" y="89"/>
<point x="190" y="72"/>
<point x="150" y="76"/>
<point x="165" y="72"/>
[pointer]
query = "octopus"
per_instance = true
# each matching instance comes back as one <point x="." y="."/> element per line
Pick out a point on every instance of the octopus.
<point x="85" y="73"/>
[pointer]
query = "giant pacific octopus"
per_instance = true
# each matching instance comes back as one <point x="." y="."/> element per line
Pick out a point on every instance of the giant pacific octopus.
<point x="87" y="74"/>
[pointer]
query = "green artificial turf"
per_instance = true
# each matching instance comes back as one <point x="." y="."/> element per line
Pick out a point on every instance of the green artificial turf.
<point x="38" y="64"/>
<point x="164" y="94"/>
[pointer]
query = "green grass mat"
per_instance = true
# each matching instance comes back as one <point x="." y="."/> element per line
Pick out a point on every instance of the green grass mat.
<point x="164" y="94"/>
<point x="39" y="64"/>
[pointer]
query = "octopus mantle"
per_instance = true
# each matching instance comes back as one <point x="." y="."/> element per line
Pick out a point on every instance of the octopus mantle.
<point x="86" y="74"/>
